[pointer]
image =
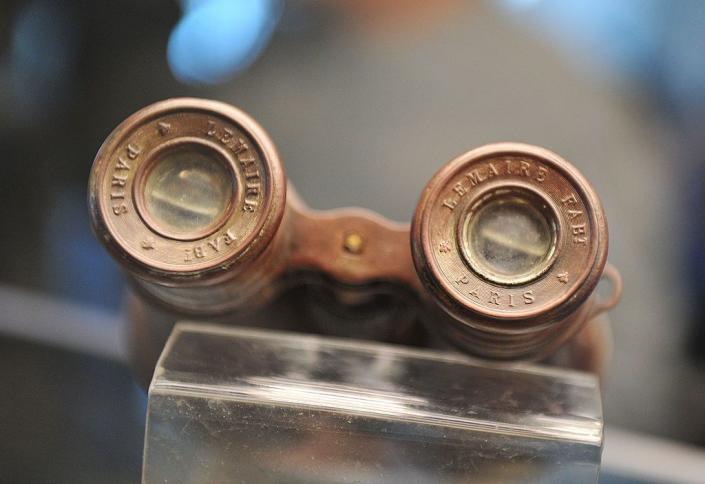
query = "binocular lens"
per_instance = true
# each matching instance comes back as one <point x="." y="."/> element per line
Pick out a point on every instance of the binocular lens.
<point x="187" y="191"/>
<point x="508" y="239"/>
<point x="182" y="190"/>
<point x="511" y="240"/>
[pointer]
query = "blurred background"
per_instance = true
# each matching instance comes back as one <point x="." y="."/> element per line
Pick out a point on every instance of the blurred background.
<point x="365" y="100"/>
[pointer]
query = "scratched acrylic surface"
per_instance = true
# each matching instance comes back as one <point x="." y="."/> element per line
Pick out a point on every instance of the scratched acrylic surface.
<point x="234" y="405"/>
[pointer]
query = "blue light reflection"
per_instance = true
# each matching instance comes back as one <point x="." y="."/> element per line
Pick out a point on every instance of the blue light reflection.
<point x="216" y="39"/>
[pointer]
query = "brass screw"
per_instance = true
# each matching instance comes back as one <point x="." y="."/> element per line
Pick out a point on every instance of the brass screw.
<point x="353" y="243"/>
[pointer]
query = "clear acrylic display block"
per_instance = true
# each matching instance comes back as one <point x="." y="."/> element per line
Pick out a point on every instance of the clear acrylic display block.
<point x="241" y="405"/>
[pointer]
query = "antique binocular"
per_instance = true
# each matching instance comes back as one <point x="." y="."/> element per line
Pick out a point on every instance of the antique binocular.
<point x="503" y="256"/>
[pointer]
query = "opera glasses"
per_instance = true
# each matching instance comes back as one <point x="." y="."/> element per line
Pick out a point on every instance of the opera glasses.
<point x="503" y="256"/>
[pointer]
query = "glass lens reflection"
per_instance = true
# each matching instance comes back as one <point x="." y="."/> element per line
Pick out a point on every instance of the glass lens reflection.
<point x="509" y="237"/>
<point x="187" y="191"/>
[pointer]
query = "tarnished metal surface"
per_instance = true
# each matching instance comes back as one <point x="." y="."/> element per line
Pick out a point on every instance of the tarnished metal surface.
<point x="531" y="314"/>
<point x="265" y="241"/>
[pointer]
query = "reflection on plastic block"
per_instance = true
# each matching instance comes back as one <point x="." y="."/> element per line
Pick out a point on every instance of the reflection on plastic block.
<point x="235" y="405"/>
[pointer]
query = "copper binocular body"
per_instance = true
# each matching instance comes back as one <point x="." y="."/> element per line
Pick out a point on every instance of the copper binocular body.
<point x="502" y="258"/>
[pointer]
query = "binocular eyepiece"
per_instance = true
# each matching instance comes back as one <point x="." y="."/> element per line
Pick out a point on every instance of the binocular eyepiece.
<point x="505" y="251"/>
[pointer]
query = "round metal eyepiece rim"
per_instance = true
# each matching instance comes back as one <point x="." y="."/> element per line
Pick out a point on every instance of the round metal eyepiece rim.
<point x="152" y="255"/>
<point x="438" y="210"/>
